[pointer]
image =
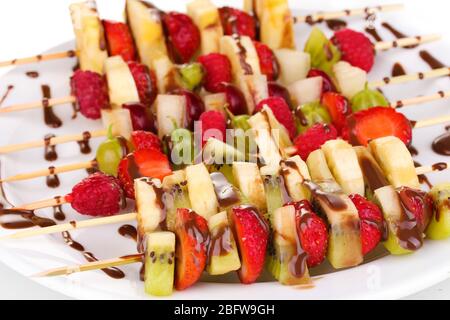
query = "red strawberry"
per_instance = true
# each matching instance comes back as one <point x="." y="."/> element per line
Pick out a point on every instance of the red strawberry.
<point x="377" y="122"/>
<point x="145" y="81"/>
<point x="338" y="107"/>
<point x="145" y="140"/>
<point x="327" y="83"/>
<point x="372" y="226"/>
<point x="236" y="21"/>
<point x="213" y="125"/>
<point x="313" y="138"/>
<point x="119" y="39"/>
<point x="192" y="234"/>
<point x="355" y="47"/>
<point x="96" y="195"/>
<point x="277" y="90"/>
<point x="312" y="232"/>
<point x="91" y="93"/>
<point x="194" y="106"/>
<point x="282" y="112"/>
<point x="183" y="37"/>
<point x="267" y="61"/>
<point x="150" y="163"/>
<point x="141" y="117"/>
<point x="252" y="235"/>
<point x="217" y="71"/>
<point x="419" y="203"/>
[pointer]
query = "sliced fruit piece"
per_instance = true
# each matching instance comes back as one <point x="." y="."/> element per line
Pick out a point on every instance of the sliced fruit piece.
<point x="367" y="99"/>
<point x="327" y="84"/>
<point x="121" y="86"/>
<point x="248" y="179"/>
<point x="288" y="262"/>
<point x="252" y="236"/>
<point x="215" y="102"/>
<point x="306" y="90"/>
<point x="193" y="239"/>
<point x="201" y="190"/>
<point x="324" y="55"/>
<point x="218" y="152"/>
<point x="227" y="195"/>
<point x="170" y="113"/>
<point x="294" y="65"/>
<point x="119" y="39"/>
<point x="235" y="21"/>
<point x="344" y="165"/>
<point x="150" y="205"/>
<point x="344" y="248"/>
<point x="373" y="123"/>
<point x="311" y="114"/>
<point x="89" y="35"/>
<point x="276" y="195"/>
<point x="404" y="235"/>
<point x="276" y="24"/>
<point x="350" y="80"/>
<point x="254" y="88"/>
<point x="419" y="203"/>
<point x="166" y="74"/>
<point x="191" y="75"/>
<point x="176" y="196"/>
<point x="145" y="23"/>
<point x="242" y="54"/>
<point x="159" y="263"/>
<point x="394" y="158"/>
<point x="223" y="255"/>
<point x="268" y="62"/>
<point x="295" y="171"/>
<point x="119" y="120"/>
<point x="319" y="170"/>
<point x="439" y="227"/>
<point x="280" y="118"/>
<point x="207" y="19"/>
<point x="338" y="107"/>
<point x="194" y="106"/>
<point x="145" y="80"/>
<point x="313" y="138"/>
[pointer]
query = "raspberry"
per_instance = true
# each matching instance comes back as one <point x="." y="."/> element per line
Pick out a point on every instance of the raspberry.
<point x="213" y="125"/>
<point x="145" y="140"/>
<point x="282" y="112"/>
<point x="145" y="81"/>
<point x="313" y="138"/>
<point x="91" y="93"/>
<point x="267" y="61"/>
<point x="371" y="226"/>
<point x="355" y="47"/>
<point x="183" y="36"/>
<point x="96" y="195"/>
<point x="235" y="21"/>
<point x="217" y="71"/>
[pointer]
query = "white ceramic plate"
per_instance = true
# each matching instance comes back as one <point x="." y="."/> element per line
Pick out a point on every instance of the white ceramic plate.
<point x="387" y="277"/>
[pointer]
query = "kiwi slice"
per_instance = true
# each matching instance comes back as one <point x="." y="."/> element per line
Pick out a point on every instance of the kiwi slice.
<point x="439" y="227"/>
<point x="276" y="194"/>
<point x="159" y="263"/>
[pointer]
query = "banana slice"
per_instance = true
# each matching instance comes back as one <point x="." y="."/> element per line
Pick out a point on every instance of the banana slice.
<point x="89" y="36"/>
<point x="145" y="24"/>
<point x="149" y="205"/>
<point x="295" y="171"/>
<point x="394" y="158"/>
<point x="294" y="65"/>
<point x="344" y="165"/>
<point x="206" y="16"/>
<point x="201" y="191"/>
<point x="320" y="173"/>
<point x="120" y="120"/>
<point x="121" y="86"/>
<point x="166" y="74"/>
<point x="276" y="23"/>
<point x="170" y="113"/>
<point x="248" y="179"/>
<point x="373" y="174"/>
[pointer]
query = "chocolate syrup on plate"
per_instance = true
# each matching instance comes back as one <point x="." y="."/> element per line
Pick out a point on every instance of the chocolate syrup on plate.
<point x="430" y="60"/>
<point x="398" y="70"/>
<point x="85" y="147"/>
<point x="52" y="178"/>
<point x="397" y="34"/>
<point x="441" y="145"/>
<point x="128" y="231"/>
<point x="6" y="94"/>
<point x="58" y="213"/>
<point x="49" y="150"/>
<point x="423" y="179"/>
<point x="32" y="74"/>
<point x="374" y="33"/>
<point x="50" y="118"/>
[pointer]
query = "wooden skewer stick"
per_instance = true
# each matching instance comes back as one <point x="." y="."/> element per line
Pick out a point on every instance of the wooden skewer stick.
<point x="420" y="99"/>
<point x="125" y="217"/>
<point x="406" y="42"/>
<point x="431" y="122"/>
<point x="319" y="16"/>
<point x="38" y="104"/>
<point x="39" y="58"/>
<point x="96" y="265"/>
<point x="52" y="142"/>
<point x="411" y="77"/>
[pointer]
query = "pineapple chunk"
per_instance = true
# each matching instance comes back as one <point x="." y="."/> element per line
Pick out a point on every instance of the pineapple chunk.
<point x="350" y="80"/>
<point x="206" y="17"/>
<point x="306" y="90"/>
<point x="120" y="120"/>
<point x="276" y="23"/>
<point x="170" y="113"/>
<point x="166" y="74"/>
<point x="149" y="205"/>
<point x="394" y="158"/>
<point x="294" y="65"/>
<point x="201" y="191"/>
<point x="248" y="179"/>
<point x="89" y="36"/>
<point x="343" y="163"/>
<point x="121" y="86"/>
<point x="295" y="172"/>
<point x="145" y="24"/>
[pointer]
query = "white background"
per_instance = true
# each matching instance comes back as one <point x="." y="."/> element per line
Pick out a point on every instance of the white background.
<point x="28" y="27"/>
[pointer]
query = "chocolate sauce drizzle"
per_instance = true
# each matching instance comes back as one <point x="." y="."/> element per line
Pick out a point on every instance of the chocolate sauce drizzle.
<point x="49" y="150"/>
<point x="50" y="118"/>
<point x="52" y="178"/>
<point x="398" y="70"/>
<point x="243" y="56"/>
<point x="398" y="34"/>
<point x="441" y="145"/>
<point x="6" y="94"/>
<point x="423" y="179"/>
<point x="85" y="147"/>
<point x="336" y="24"/>
<point x="430" y="60"/>
<point x="32" y="74"/>
<point x="58" y="213"/>
<point x="128" y="231"/>
<point x="225" y="192"/>
<point x="374" y="33"/>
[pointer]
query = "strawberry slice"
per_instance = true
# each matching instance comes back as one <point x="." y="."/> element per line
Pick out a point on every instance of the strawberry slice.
<point x="252" y="235"/>
<point x="193" y="238"/>
<point x="338" y="107"/>
<point x="150" y="163"/>
<point x="235" y="21"/>
<point x="377" y="122"/>
<point x="267" y="61"/>
<point x="312" y="231"/>
<point x="119" y="39"/>
<point x="372" y="226"/>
